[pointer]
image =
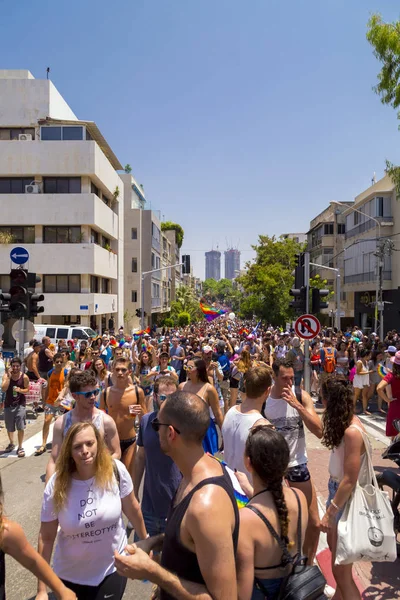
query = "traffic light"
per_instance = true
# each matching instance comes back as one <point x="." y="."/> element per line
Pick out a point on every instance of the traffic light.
<point x="299" y="302"/>
<point x="34" y="310"/>
<point x="138" y="312"/>
<point x="18" y="297"/>
<point x="299" y="281"/>
<point x="186" y="264"/>
<point x="316" y="304"/>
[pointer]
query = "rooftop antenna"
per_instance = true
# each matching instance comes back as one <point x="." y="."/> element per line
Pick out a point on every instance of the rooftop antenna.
<point x="47" y="72"/>
<point x="373" y="180"/>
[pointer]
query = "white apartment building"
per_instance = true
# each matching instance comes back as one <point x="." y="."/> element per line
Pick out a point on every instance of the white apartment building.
<point x="146" y="249"/>
<point x="373" y="219"/>
<point x="61" y="199"/>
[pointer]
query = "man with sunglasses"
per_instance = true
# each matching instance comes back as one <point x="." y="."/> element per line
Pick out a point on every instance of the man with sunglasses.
<point x="84" y="390"/>
<point x="162" y="476"/>
<point x="124" y="401"/>
<point x="198" y="552"/>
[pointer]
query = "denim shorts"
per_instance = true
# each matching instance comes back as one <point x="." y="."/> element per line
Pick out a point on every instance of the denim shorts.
<point x="298" y="473"/>
<point x="272" y="587"/>
<point x="154" y="526"/>
<point x="333" y="486"/>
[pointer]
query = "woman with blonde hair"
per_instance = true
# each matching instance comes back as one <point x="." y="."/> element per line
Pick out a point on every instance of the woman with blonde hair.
<point x="14" y="543"/>
<point x="82" y="509"/>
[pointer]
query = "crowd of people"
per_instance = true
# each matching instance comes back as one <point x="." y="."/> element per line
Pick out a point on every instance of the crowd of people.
<point x="187" y="421"/>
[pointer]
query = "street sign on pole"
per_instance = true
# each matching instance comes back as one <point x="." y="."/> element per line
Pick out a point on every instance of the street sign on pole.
<point x="19" y="255"/>
<point x="307" y="327"/>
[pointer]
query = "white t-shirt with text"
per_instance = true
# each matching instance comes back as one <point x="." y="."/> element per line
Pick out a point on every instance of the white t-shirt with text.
<point x="90" y="528"/>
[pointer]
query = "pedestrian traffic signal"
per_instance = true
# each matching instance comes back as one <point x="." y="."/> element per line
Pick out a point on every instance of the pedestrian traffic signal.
<point x="316" y="304"/>
<point x="186" y="264"/>
<point x="18" y="294"/>
<point x="299" y="303"/>
<point x="34" y="309"/>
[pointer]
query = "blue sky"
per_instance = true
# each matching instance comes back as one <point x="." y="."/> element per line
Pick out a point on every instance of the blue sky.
<point x="239" y="118"/>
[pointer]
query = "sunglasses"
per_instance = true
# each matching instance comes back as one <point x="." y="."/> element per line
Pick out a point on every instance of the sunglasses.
<point x="88" y="395"/>
<point x="156" y="425"/>
<point x="188" y="368"/>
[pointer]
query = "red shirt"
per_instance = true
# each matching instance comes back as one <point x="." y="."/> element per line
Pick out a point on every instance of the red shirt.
<point x="395" y="383"/>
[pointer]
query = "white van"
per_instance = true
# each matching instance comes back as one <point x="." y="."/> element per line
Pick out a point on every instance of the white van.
<point x="63" y="332"/>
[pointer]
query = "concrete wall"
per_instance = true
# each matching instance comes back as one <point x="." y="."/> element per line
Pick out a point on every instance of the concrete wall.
<point x="57" y="259"/>
<point x="25" y="101"/>
<point x="59" y="158"/>
<point x="69" y="304"/>
<point x="59" y="209"/>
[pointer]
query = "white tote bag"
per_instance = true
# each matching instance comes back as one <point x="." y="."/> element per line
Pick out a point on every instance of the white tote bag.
<point x="365" y="530"/>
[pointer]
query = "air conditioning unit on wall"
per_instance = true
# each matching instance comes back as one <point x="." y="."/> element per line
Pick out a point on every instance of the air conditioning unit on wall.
<point x="33" y="188"/>
<point x="25" y="137"/>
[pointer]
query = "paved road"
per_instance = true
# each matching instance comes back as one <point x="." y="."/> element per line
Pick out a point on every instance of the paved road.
<point x="23" y="488"/>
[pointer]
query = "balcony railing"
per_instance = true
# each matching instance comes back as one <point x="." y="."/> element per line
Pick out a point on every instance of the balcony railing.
<point x="155" y="302"/>
<point x="363" y="277"/>
<point x="367" y="225"/>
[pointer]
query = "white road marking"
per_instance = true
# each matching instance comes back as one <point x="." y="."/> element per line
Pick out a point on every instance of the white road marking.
<point x="31" y="444"/>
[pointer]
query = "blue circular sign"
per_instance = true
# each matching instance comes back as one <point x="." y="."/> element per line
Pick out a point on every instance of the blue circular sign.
<point x="19" y="255"/>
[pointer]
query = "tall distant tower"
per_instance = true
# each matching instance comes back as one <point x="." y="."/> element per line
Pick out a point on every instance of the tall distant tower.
<point x="213" y="265"/>
<point x="232" y="263"/>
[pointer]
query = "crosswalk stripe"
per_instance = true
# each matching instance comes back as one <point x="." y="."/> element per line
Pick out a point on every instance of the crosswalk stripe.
<point x="31" y="444"/>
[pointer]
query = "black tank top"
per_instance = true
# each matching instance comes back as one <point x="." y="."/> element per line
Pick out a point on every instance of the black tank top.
<point x="19" y="399"/>
<point x="175" y="557"/>
<point x="45" y="363"/>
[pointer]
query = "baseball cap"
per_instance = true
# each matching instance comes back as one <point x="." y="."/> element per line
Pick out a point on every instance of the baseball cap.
<point x="396" y="358"/>
<point x="392" y="349"/>
<point x="207" y="349"/>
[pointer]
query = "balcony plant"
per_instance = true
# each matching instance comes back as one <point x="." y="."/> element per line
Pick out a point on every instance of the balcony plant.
<point x="7" y="237"/>
<point x="115" y="196"/>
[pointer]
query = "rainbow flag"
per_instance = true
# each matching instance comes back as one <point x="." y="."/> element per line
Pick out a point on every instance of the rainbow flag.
<point x="240" y="496"/>
<point x="243" y="330"/>
<point x="211" y="313"/>
<point x="137" y="335"/>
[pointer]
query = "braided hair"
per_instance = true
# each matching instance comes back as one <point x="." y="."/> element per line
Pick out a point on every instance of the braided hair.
<point x="269" y="456"/>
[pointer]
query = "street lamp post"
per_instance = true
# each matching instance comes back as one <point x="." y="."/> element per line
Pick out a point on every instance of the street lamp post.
<point x="378" y="289"/>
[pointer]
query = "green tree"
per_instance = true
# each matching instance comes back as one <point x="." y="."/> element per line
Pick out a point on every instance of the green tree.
<point x="224" y="292"/>
<point x="183" y="319"/>
<point x="168" y="225"/>
<point x="385" y="40"/>
<point x="186" y="302"/>
<point x="268" y="280"/>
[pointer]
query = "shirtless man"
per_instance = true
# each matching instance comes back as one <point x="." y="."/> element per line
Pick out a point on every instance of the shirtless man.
<point x="289" y="410"/>
<point x="84" y="390"/>
<point x="123" y="402"/>
<point x="32" y="362"/>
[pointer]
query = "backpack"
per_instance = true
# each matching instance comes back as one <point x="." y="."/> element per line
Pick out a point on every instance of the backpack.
<point x="330" y="360"/>
<point x="225" y="365"/>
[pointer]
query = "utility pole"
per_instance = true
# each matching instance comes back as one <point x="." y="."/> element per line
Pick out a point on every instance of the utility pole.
<point x="307" y="343"/>
<point x="385" y="248"/>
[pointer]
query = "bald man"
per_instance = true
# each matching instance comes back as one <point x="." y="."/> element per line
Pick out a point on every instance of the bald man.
<point x="203" y="516"/>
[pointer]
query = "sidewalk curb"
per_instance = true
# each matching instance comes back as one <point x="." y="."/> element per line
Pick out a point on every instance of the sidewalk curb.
<point x="372" y="423"/>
